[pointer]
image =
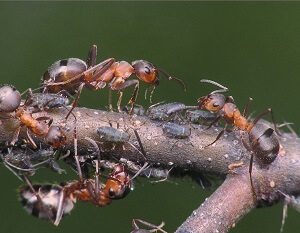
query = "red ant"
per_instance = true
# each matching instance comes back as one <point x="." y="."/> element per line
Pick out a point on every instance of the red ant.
<point x="11" y="100"/>
<point x="263" y="141"/>
<point x="72" y="74"/>
<point x="52" y="202"/>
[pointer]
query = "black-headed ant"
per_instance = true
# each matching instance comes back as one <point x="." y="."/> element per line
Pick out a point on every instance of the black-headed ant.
<point x="264" y="143"/>
<point x="72" y="74"/>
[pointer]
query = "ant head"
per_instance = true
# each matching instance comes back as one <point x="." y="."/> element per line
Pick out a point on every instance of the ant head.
<point x="213" y="102"/>
<point x="55" y="136"/>
<point x="118" y="185"/>
<point x="10" y="98"/>
<point x="146" y="72"/>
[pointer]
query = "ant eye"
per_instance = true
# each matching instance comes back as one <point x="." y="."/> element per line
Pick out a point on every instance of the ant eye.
<point x="216" y="104"/>
<point x="147" y="70"/>
<point x="111" y="193"/>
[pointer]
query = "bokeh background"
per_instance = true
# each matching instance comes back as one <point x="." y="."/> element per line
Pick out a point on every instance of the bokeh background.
<point x="253" y="48"/>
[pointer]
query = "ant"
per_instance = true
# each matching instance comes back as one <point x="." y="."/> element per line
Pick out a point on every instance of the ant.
<point x="263" y="142"/>
<point x="73" y="74"/>
<point x="52" y="202"/>
<point x="11" y="102"/>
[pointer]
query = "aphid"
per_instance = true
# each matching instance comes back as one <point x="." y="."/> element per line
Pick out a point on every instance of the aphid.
<point x="263" y="142"/>
<point x="26" y="161"/>
<point x="166" y="112"/>
<point x="200" y="117"/>
<point x="45" y="101"/>
<point x="72" y="74"/>
<point x="137" y="110"/>
<point x="110" y="134"/>
<point x="175" y="130"/>
<point x="153" y="228"/>
<point x="17" y="162"/>
<point x="10" y="99"/>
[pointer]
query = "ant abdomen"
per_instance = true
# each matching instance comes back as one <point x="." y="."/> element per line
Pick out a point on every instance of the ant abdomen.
<point x="49" y="197"/>
<point x="264" y="143"/>
<point x="10" y="98"/>
<point x="64" y="70"/>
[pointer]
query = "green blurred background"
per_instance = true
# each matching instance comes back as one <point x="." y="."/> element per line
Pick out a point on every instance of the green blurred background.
<point x="253" y="48"/>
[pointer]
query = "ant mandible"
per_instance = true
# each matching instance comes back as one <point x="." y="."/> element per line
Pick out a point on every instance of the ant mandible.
<point x="72" y="74"/>
<point x="263" y="141"/>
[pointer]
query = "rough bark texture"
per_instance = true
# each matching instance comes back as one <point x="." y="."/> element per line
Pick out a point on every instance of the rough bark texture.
<point x="232" y="200"/>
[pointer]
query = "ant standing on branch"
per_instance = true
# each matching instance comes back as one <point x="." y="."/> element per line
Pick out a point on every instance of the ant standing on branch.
<point x="73" y="74"/>
<point x="263" y="142"/>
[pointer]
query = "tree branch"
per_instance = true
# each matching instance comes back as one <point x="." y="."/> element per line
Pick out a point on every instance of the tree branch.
<point x="234" y="197"/>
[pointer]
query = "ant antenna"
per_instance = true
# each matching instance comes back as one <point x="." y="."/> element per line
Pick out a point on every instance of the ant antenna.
<point x="172" y="78"/>
<point x="224" y="89"/>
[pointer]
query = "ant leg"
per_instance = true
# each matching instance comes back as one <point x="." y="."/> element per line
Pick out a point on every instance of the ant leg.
<point x="140" y="143"/>
<point x="15" y="136"/>
<point x="134" y="96"/>
<point x="143" y="153"/>
<point x="119" y="101"/>
<point x="92" y="56"/>
<point x="34" y="146"/>
<point x="76" y="157"/>
<point x="60" y="207"/>
<point x="245" y="113"/>
<point x="151" y="93"/>
<point x="284" y="214"/>
<point x="219" y="135"/>
<point x="217" y="138"/>
<point x="97" y="161"/>
<point x="125" y="85"/>
<point x="251" y="161"/>
<point x="110" y="107"/>
<point x="269" y="110"/>
<point x="214" y="121"/>
<point x="76" y="100"/>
